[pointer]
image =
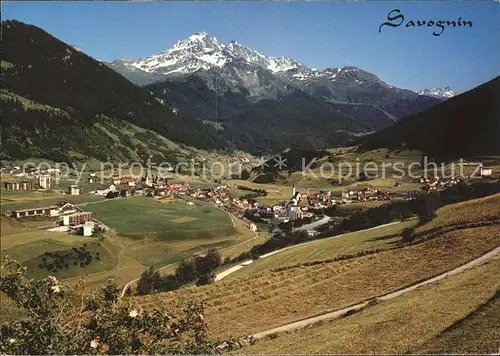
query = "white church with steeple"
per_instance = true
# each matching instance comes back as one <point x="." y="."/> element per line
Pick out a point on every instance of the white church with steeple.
<point x="293" y="212"/>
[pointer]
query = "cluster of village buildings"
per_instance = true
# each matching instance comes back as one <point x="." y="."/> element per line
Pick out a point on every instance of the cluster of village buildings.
<point x="298" y="206"/>
<point x="438" y="184"/>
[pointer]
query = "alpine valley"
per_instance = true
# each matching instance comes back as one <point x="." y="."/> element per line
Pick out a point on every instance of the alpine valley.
<point x="56" y="100"/>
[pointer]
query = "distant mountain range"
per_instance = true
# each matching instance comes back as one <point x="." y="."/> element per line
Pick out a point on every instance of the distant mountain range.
<point x="256" y="91"/>
<point x="465" y="126"/>
<point x="440" y="93"/>
<point x="200" y="52"/>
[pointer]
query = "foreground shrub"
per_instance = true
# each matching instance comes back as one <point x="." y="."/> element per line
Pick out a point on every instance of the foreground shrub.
<point x="63" y="320"/>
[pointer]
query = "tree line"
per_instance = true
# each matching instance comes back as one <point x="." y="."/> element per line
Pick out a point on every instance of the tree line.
<point x="199" y="269"/>
<point x="255" y="193"/>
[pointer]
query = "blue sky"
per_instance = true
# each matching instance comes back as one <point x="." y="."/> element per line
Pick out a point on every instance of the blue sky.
<point x="318" y="34"/>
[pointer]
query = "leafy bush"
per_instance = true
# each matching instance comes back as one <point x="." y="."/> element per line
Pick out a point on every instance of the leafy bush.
<point x="186" y="272"/>
<point x="149" y="282"/>
<point x="207" y="264"/>
<point x="408" y="235"/>
<point x="206" y="278"/>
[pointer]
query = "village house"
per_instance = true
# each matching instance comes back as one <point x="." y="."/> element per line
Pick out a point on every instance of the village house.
<point x="486" y="172"/>
<point x="178" y="187"/>
<point x="100" y="192"/>
<point x="44" y="181"/>
<point x="75" y="189"/>
<point x="294" y="213"/>
<point x="324" y="196"/>
<point x="278" y="209"/>
<point x="20" y="185"/>
<point x="67" y="208"/>
<point x="104" y="192"/>
<point x="44" y="211"/>
<point x="130" y="181"/>
<point x="148" y="181"/>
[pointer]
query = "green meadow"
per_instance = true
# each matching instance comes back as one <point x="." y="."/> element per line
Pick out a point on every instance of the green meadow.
<point x="146" y="217"/>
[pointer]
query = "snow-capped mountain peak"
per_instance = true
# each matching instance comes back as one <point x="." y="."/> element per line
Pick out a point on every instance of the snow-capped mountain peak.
<point x="440" y="93"/>
<point x="198" y="51"/>
<point x="200" y="41"/>
<point x="201" y="51"/>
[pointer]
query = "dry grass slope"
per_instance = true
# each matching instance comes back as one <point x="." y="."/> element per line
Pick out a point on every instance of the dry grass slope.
<point x="398" y="325"/>
<point x="477" y="333"/>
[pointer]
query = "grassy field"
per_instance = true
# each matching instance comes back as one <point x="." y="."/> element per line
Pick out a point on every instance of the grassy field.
<point x="270" y="299"/>
<point x="12" y="200"/>
<point x="143" y="217"/>
<point x="476" y="210"/>
<point x="382" y="238"/>
<point x="276" y="193"/>
<point x="400" y="325"/>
